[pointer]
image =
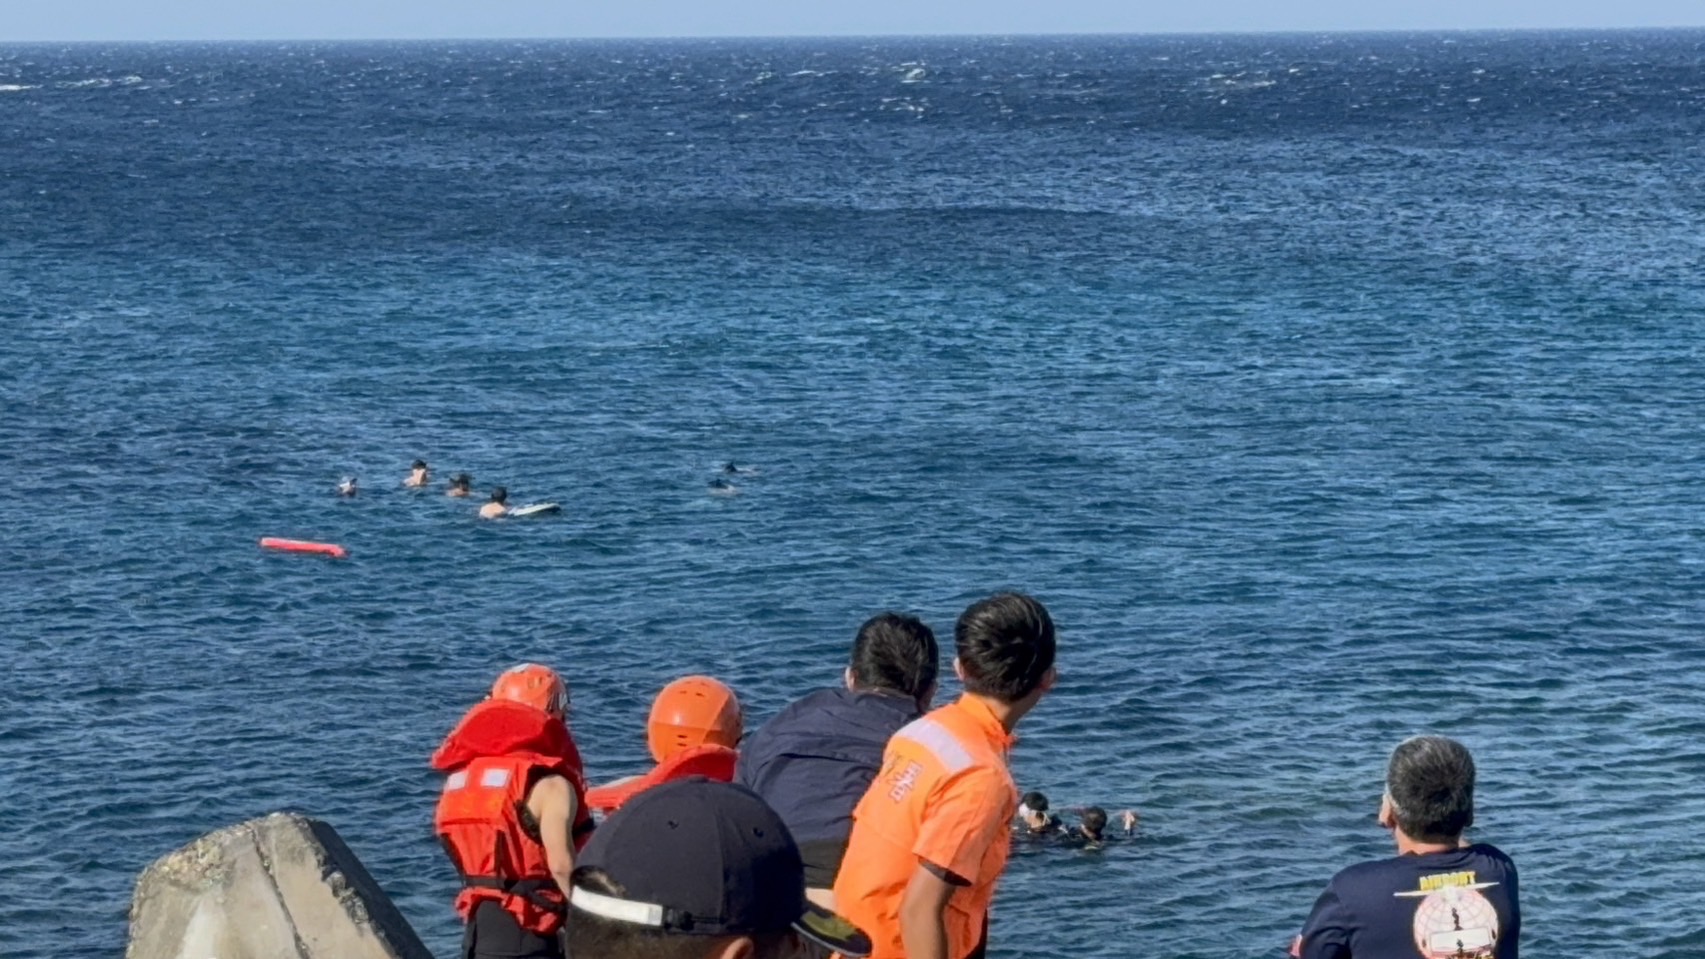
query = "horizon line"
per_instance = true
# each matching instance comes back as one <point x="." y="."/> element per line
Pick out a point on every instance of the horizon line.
<point x="1064" y="34"/>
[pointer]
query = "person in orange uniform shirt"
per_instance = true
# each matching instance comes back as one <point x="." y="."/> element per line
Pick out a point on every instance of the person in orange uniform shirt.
<point x="512" y="814"/>
<point x="931" y="835"/>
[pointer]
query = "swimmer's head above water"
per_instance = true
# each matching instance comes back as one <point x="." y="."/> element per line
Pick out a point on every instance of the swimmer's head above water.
<point x="1033" y="809"/>
<point x="347" y="486"/>
<point x="495" y="508"/>
<point x="1093" y="822"/>
<point x="460" y="485"/>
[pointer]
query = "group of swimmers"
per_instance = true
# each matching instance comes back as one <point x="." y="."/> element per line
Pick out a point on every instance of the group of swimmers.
<point x="1037" y="824"/>
<point x="460" y="486"/>
<point x="863" y="820"/>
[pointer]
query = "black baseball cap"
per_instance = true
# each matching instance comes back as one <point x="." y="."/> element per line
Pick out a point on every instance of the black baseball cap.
<point x="707" y="858"/>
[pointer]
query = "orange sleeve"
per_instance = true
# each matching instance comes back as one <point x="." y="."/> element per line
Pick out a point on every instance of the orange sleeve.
<point x="961" y="821"/>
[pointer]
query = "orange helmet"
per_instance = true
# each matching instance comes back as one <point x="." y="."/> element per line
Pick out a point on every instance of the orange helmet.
<point x="693" y="711"/>
<point x="535" y="685"/>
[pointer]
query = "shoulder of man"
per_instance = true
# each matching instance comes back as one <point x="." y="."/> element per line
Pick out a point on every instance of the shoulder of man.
<point x="805" y="708"/>
<point x="1492" y="852"/>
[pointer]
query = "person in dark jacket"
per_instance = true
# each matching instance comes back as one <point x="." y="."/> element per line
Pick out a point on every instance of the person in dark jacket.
<point x="813" y="762"/>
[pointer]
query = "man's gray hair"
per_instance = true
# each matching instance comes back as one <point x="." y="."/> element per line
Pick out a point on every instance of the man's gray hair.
<point x="1430" y="780"/>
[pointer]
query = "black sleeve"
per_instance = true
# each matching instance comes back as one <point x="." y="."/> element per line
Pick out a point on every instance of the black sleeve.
<point x="947" y="876"/>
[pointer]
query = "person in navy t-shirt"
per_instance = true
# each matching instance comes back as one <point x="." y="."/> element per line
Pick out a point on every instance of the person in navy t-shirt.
<point x="813" y="761"/>
<point x="1439" y="897"/>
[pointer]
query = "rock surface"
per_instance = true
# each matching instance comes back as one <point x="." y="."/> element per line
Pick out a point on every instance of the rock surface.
<point x="281" y="887"/>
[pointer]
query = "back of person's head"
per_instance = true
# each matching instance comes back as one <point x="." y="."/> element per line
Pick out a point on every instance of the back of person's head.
<point x="499" y="494"/>
<point x="1035" y="802"/>
<point x="540" y="687"/>
<point x="1430" y="782"/>
<point x="1005" y="646"/>
<point x="690" y="712"/>
<point x="688" y="870"/>
<point x="896" y="652"/>
<point x="1094" y="820"/>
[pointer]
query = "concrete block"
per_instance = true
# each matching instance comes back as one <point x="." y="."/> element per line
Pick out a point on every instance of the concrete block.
<point x="280" y="887"/>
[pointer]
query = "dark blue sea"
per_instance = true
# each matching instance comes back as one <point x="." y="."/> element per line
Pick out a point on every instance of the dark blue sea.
<point x="1328" y="389"/>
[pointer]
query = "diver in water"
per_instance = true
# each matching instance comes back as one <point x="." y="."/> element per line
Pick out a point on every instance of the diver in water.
<point x="1035" y="822"/>
<point x="348" y="487"/>
<point x="498" y="507"/>
<point x="461" y="485"/>
<point x="1091" y="830"/>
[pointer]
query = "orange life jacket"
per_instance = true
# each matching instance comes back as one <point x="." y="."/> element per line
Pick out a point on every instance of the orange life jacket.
<point x="710" y="761"/>
<point x="493" y="757"/>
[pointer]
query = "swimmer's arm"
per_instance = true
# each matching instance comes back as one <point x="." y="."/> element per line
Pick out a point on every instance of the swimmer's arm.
<point x="552" y="803"/>
<point x="923" y="929"/>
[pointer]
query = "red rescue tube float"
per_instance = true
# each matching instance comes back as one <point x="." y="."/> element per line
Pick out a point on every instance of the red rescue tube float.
<point x="304" y="546"/>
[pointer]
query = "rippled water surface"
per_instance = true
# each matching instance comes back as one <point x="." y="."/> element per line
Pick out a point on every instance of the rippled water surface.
<point x="1328" y="389"/>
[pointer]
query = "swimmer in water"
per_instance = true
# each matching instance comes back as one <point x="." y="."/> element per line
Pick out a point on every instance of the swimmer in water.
<point x="460" y="485"/>
<point x="1035" y="820"/>
<point x="347" y="487"/>
<point x="722" y="487"/>
<point x="730" y="468"/>
<point x="497" y="508"/>
<point x="1091" y="830"/>
<point x="420" y="475"/>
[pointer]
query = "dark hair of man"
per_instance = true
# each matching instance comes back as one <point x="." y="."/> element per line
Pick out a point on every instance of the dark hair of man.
<point x="1431" y="782"/>
<point x="1005" y="646"/>
<point x="418" y="465"/>
<point x="1035" y="802"/>
<point x="896" y="652"/>
<point x="1094" y="820"/>
<point x="594" y="937"/>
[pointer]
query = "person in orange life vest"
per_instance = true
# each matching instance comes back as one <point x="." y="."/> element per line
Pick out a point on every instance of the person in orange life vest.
<point x="931" y="836"/>
<point x="512" y="814"/>
<point x="694" y="730"/>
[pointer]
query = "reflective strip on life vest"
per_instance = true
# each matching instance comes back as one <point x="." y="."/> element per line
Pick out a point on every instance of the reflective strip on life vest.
<point x="934" y="737"/>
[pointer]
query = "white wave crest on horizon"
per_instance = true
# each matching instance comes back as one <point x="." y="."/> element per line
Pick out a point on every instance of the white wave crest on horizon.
<point x="93" y="83"/>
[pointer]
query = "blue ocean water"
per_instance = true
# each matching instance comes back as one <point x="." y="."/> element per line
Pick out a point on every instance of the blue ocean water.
<point x="1328" y="389"/>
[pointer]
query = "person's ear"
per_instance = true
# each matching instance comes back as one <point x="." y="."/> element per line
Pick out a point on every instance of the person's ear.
<point x="1387" y="815"/>
<point x="847" y="676"/>
<point x="1049" y="678"/>
<point x="959" y="670"/>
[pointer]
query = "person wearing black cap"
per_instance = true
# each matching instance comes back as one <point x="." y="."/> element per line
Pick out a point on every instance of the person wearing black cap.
<point x="695" y="869"/>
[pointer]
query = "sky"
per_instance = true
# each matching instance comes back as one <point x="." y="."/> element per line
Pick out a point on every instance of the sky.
<point x="33" y="20"/>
